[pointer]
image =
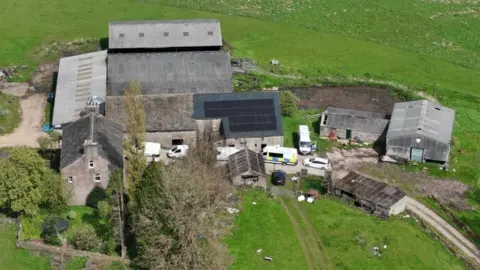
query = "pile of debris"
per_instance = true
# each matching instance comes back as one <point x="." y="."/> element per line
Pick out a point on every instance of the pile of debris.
<point x="9" y="72"/>
<point x="310" y="196"/>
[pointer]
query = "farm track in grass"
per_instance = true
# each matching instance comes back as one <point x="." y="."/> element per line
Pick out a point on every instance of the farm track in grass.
<point x="306" y="235"/>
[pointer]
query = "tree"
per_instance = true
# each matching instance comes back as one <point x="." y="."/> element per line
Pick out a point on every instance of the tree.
<point x="26" y="183"/>
<point x="50" y="232"/>
<point x="288" y="103"/>
<point x="85" y="238"/>
<point x="116" y="216"/>
<point x="176" y="217"/>
<point x="134" y="142"/>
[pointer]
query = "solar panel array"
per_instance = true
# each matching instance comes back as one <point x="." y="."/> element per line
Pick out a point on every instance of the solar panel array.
<point x="244" y="115"/>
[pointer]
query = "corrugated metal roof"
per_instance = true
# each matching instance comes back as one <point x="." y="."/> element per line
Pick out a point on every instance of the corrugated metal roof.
<point x="79" y="77"/>
<point x="170" y="73"/>
<point x="370" y="122"/>
<point x="246" y="161"/>
<point x="422" y="117"/>
<point x="256" y="114"/>
<point x="164" y="34"/>
<point x="368" y="189"/>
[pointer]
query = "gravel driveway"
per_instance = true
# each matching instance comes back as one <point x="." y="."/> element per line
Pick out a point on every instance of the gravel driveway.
<point x="29" y="130"/>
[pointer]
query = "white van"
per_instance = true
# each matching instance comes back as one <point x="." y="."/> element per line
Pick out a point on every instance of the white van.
<point x="304" y="142"/>
<point x="178" y="151"/>
<point x="224" y="152"/>
<point x="278" y="154"/>
<point x="152" y="151"/>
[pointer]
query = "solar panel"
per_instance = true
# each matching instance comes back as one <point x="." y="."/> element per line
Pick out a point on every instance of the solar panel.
<point x="244" y="115"/>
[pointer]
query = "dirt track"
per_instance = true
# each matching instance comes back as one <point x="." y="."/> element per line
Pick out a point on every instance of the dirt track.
<point x="29" y="130"/>
<point x="355" y="98"/>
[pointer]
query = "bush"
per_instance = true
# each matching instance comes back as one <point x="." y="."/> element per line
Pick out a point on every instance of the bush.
<point x="103" y="209"/>
<point x="72" y="215"/>
<point x="288" y="103"/>
<point x="50" y="232"/>
<point x="96" y="195"/>
<point x="85" y="238"/>
<point x="109" y="247"/>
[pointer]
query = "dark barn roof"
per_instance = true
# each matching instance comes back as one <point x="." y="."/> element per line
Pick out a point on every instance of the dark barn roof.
<point x="162" y="113"/>
<point x="246" y="162"/>
<point x="368" y="189"/>
<point x="422" y="117"/>
<point x="164" y="34"/>
<point x="170" y="73"/>
<point x="96" y="128"/>
<point x="370" y="122"/>
<point x="244" y="115"/>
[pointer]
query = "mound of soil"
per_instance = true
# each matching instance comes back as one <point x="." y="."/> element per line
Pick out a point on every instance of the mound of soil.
<point x="355" y="98"/>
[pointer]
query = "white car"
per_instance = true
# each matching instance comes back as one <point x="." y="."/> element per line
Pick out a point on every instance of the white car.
<point x="178" y="151"/>
<point x="317" y="162"/>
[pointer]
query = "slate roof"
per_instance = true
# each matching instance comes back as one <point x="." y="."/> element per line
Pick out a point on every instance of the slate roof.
<point x="162" y="113"/>
<point x="246" y="161"/>
<point x="79" y="77"/>
<point x="370" y="122"/>
<point x="107" y="134"/>
<point x="243" y="115"/>
<point x="422" y="117"/>
<point x="374" y="191"/>
<point x="164" y="34"/>
<point x="170" y="73"/>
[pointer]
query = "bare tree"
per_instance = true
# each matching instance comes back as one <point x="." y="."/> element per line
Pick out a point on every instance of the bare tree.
<point x="134" y="142"/>
<point x="177" y="221"/>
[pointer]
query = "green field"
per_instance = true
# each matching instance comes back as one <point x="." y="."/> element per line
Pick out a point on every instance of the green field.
<point x="347" y="234"/>
<point x="13" y="258"/>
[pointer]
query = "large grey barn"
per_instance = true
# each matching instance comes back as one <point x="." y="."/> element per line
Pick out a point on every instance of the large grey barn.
<point x="170" y="73"/>
<point x="347" y="124"/>
<point x="164" y="34"/>
<point x="420" y="131"/>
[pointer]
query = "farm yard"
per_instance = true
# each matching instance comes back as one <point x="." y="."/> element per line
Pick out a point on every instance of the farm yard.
<point x="363" y="55"/>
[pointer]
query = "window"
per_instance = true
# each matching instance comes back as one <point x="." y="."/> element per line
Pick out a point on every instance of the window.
<point x="96" y="178"/>
<point x="70" y="179"/>
<point x="165" y="34"/>
<point x="122" y="35"/>
<point x="324" y="122"/>
<point x="185" y="34"/>
<point x="141" y="34"/>
<point x="210" y="33"/>
<point x="436" y="108"/>
<point x="90" y="164"/>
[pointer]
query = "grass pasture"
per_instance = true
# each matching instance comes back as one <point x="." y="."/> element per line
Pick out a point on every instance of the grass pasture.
<point x="347" y="235"/>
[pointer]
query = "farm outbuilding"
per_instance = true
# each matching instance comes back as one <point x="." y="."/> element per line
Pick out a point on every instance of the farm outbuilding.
<point x="349" y="124"/>
<point x="420" y="131"/>
<point x="247" y="167"/>
<point x="248" y="119"/>
<point x="372" y="196"/>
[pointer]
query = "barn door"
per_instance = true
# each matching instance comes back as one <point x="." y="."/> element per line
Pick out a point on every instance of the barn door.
<point x="416" y="154"/>
<point x="348" y="134"/>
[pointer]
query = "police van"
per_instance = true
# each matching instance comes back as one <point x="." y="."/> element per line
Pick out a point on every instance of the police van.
<point x="281" y="155"/>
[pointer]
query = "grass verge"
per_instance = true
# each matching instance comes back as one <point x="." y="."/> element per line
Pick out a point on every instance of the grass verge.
<point x="10" y="113"/>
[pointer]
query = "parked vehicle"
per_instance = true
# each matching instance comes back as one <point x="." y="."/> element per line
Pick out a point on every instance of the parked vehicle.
<point x="279" y="178"/>
<point x="178" y="151"/>
<point x="152" y="151"/>
<point x="278" y="154"/>
<point x="304" y="142"/>
<point x="224" y="152"/>
<point x="317" y="162"/>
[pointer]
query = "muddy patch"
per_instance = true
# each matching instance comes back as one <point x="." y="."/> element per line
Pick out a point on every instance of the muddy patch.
<point x="355" y="98"/>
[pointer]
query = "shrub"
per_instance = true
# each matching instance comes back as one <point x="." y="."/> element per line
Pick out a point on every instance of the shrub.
<point x="50" y="231"/>
<point x="109" y="247"/>
<point x="85" y="238"/>
<point x="288" y="103"/>
<point x="72" y="215"/>
<point x="103" y="209"/>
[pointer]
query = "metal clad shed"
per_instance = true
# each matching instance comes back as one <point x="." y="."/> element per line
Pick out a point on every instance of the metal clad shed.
<point x="164" y="34"/>
<point x="170" y="73"/>
<point x="421" y="131"/>
<point x="346" y="124"/>
<point x="247" y="166"/>
<point x="373" y="195"/>
<point x="79" y="78"/>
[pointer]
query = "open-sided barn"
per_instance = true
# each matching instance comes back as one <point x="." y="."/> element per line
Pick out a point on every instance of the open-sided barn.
<point x="420" y="131"/>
